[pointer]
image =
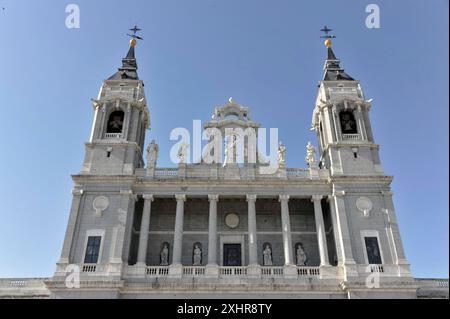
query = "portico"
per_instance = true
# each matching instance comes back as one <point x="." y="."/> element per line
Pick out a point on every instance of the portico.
<point x="231" y="232"/>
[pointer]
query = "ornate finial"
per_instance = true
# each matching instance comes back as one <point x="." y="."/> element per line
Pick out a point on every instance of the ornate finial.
<point x="134" y="37"/>
<point x="328" y="37"/>
<point x="231" y="100"/>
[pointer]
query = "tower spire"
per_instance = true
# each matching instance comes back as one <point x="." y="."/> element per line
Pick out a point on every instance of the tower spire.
<point x="128" y="71"/>
<point x="332" y="68"/>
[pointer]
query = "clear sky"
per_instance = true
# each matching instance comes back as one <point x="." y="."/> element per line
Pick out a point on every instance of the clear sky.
<point x="196" y="54"/>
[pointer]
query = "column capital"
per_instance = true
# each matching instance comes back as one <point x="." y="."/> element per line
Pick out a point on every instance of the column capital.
<point x="128" y="192"/>
<point x="149" y="197"/>
<point x="284" y="198"/>
<point x="251" y="198"/>
<point x="213" y="197"/>
<point x="339" y="193"/>
<point x="316" y="198"/>
<point x="77" y="192"/>
<point x="180" y="197"/>
<point x="387" y="193"/>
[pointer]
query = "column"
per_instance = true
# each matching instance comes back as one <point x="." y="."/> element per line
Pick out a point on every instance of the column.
<point x="337" y="123"/>
<point x="362" y="126"/>
<point x="212" y="235"/>
<point x="336" y="233"/>
<point x="252" y="238"/>
<point x="399" y="254"/>
<point x="126" y="122"/>
<point x="122" y="232"/>
<point x="320" y="228"/>
<point x="145" y="226"/>
<point x="68" y="241"/>
<point x="178" y="237"/>
<point x="341" y="226"/>
<point x="286" y="228"/>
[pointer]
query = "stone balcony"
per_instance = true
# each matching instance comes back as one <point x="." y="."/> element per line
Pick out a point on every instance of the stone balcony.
<point x="203" y="171"/>
<point x="226" y="272"/>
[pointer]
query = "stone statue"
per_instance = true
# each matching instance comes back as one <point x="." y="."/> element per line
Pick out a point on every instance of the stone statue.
<point x="229" y="150"/>
<point x="152" y="153"/>
<point x="281" y="154"/>
<point x="302" y="258"/>
<point x="310" y="154"/>
<point x="182" y="153"/>
<point x="267" y="253"/>
<point x="165" y="255"/>
<point x="197" y="255"/>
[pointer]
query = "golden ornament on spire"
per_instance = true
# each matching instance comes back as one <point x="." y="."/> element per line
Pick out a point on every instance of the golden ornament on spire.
<point x="328" y="43"/>
<point x="133" y="42"/>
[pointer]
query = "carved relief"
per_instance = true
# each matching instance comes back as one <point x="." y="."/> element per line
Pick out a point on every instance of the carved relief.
<point x="365" y="205"/>
<point x="100" y="204"/>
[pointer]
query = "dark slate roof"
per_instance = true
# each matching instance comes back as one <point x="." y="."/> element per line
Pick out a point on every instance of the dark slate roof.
<point x="128" y="71"/>
<point x="333" y="70"/>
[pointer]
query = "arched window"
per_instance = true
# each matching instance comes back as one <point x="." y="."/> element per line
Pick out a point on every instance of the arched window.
<point x="348" y="123"/>
<point x="115" y="122"/>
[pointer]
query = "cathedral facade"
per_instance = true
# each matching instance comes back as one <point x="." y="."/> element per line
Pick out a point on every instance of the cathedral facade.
<point x="230" y="229"/>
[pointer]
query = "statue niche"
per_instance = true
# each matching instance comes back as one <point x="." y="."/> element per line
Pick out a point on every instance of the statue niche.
<point x="197" y="255"/>
<point x="164" y="255"/>
<point x="115" y="122"/>
<point x="302" y="257"/>
<point x="267" y="255"/>
<point x="348" y="123"/>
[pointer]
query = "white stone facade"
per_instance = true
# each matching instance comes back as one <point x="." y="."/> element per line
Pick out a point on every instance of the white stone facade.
<point x="201" y="230"/>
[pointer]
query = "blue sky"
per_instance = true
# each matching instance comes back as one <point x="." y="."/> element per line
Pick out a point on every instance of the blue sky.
<point x="196" y="54"/>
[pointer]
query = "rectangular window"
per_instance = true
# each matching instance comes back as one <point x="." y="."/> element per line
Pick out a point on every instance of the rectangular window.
<point x="92" y="250"/>
<point x="373" y="251"/>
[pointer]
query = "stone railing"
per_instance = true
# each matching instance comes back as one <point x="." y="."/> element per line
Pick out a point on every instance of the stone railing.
<point x="204" y="172"/>
<point x="24" y="288"/>
<point x="232" y="271"/>
<point x="293" y="173"/>
<point x="113" y="136"/>
<point x="308" y="271"/>
<point x="157" y="271"/>
<point x="383" y="270"/>
<point x="165" y="173"/>
<point x="93" y="268"/>
<point x="350" y="136"/>
<point x="272" y="271"/>
<point x="433" y="283"/>
<point x="193" y="271"/>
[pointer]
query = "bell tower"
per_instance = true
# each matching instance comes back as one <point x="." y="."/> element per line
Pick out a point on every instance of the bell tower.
<point x="121" y="118"/>
<point x="341" y="120"/>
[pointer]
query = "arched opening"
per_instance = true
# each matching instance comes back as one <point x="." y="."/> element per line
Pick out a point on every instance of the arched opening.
<point x="115" y="122"/>
<point x="348" y="123"/>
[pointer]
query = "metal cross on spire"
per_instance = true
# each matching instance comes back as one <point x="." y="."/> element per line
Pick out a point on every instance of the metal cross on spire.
<point x="135" y="30"/>
<point x="326" y="30"/>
